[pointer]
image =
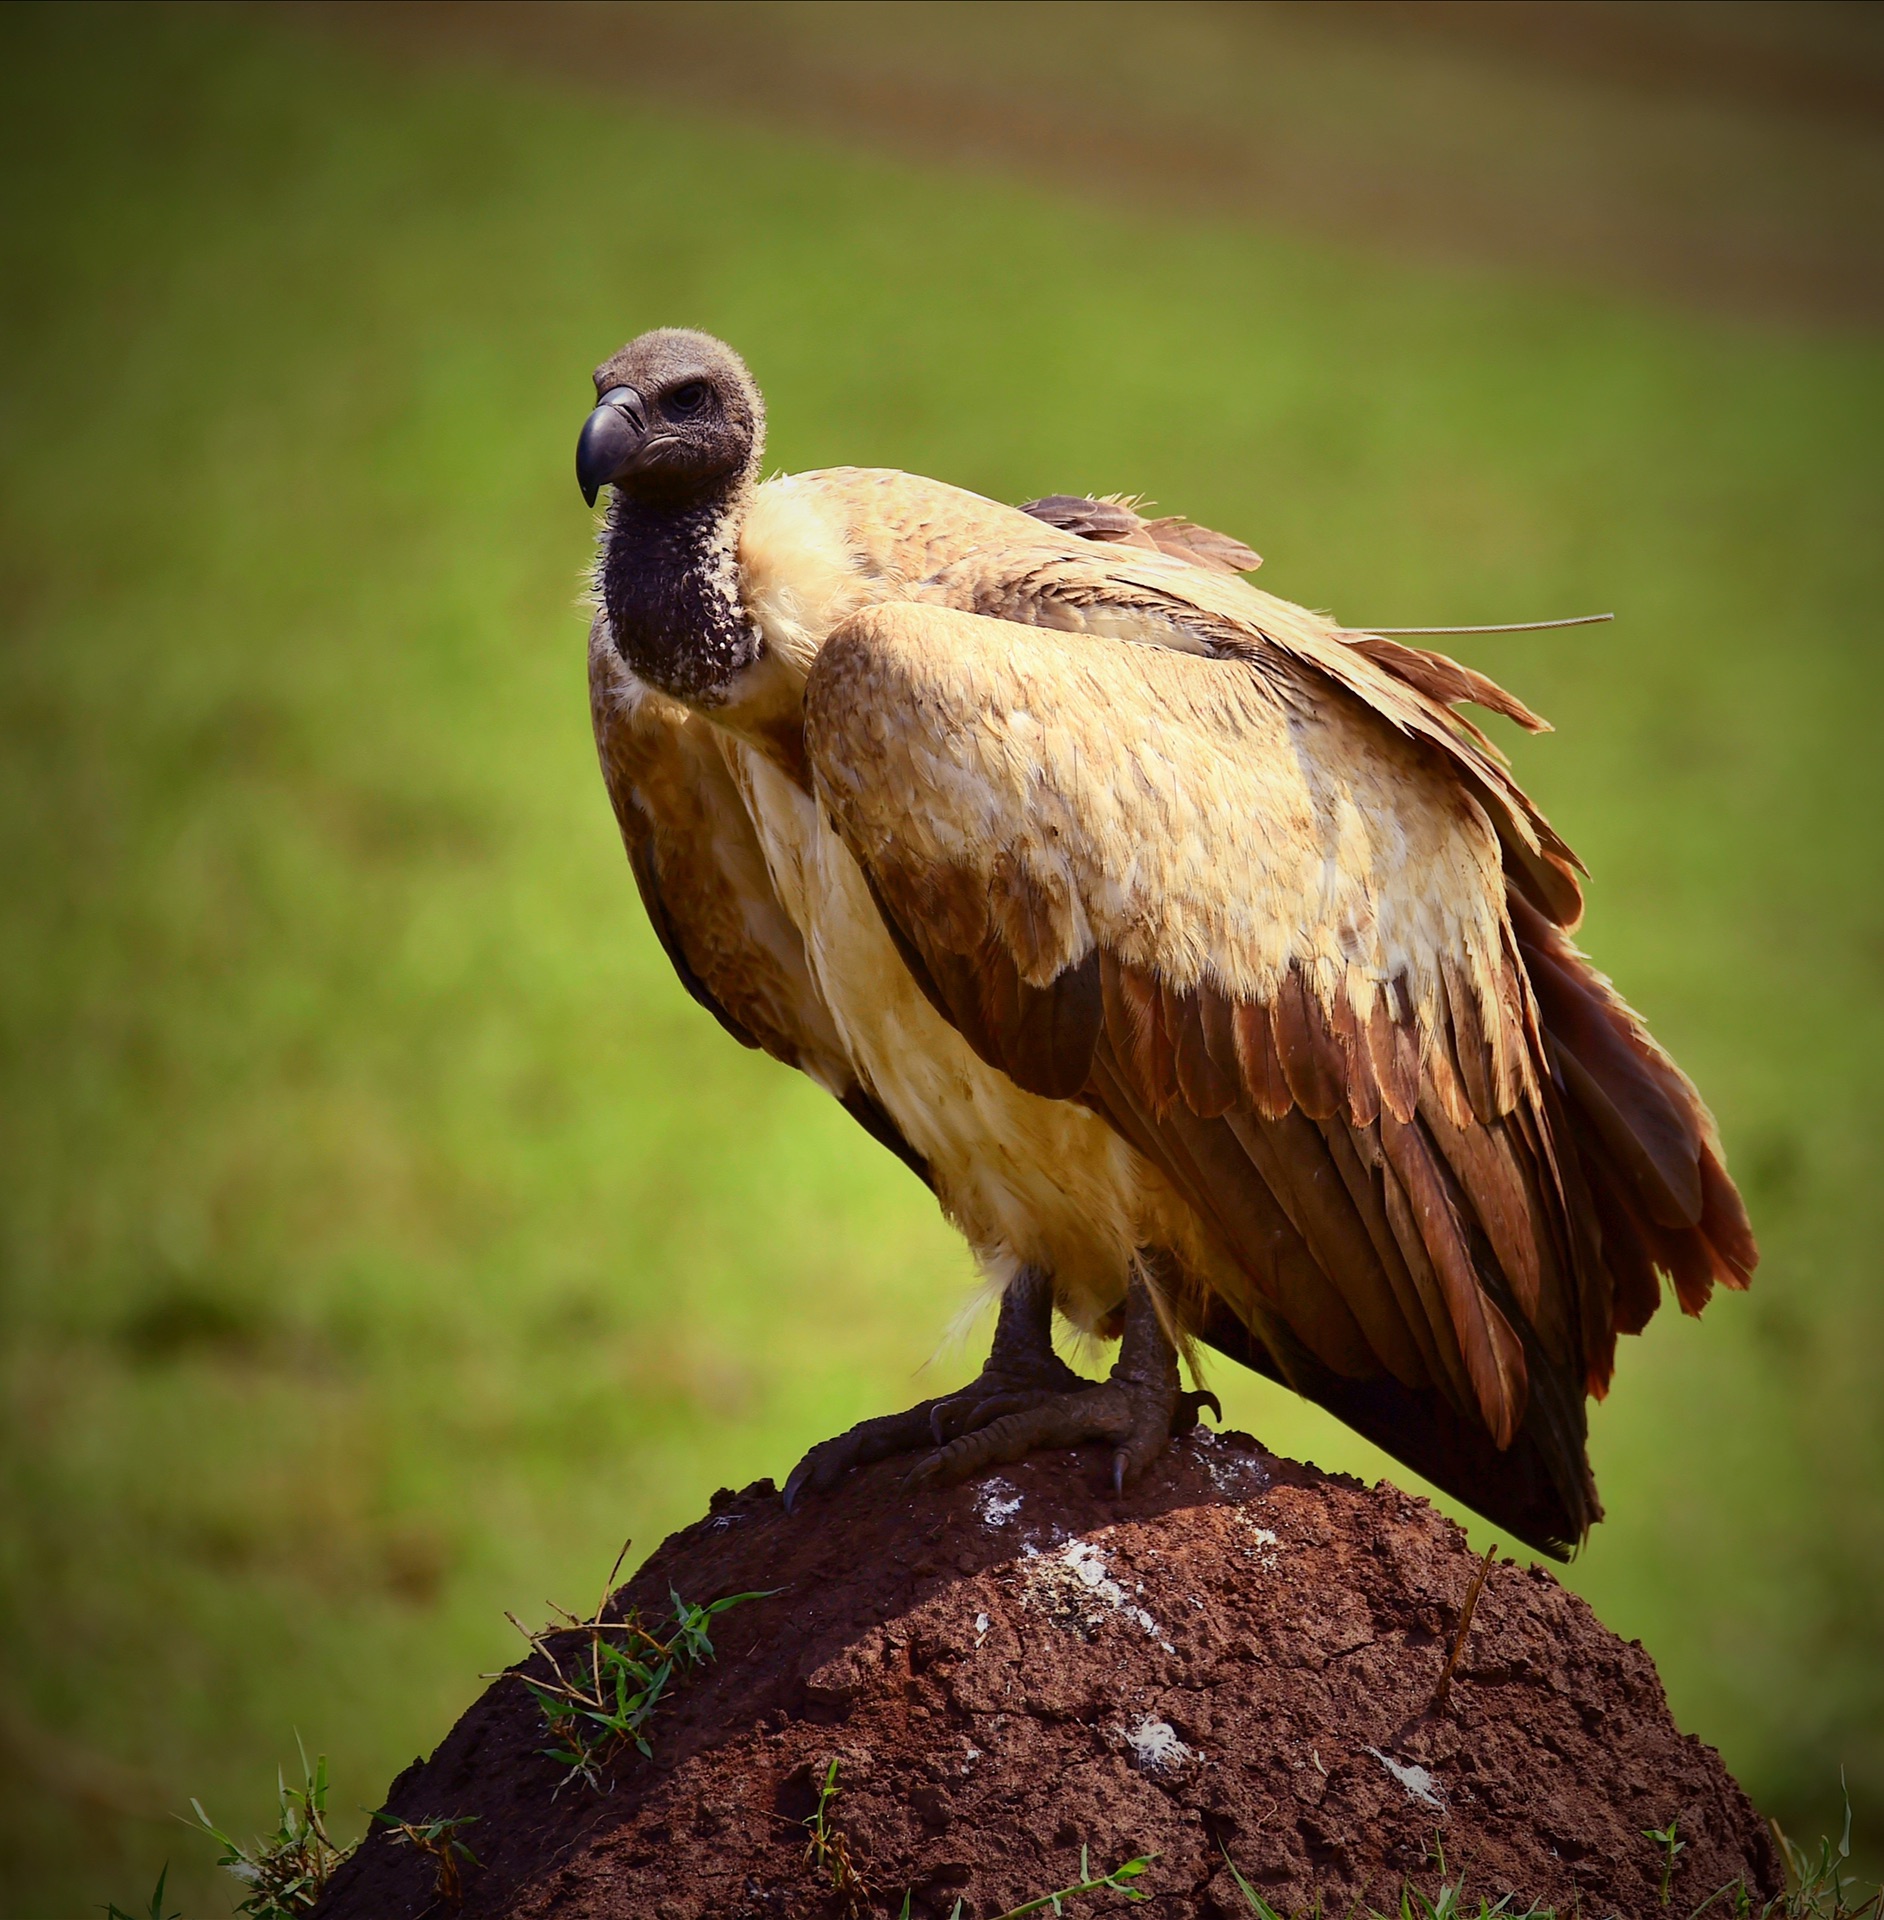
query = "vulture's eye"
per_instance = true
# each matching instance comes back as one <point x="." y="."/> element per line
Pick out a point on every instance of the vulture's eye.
<point x="687" y="399"/>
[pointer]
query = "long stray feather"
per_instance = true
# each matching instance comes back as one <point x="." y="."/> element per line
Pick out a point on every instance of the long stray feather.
<point x="1509" y="626"/>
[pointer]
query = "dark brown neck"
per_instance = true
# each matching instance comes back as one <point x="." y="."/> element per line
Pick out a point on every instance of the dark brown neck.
<point x="669" y="583"/>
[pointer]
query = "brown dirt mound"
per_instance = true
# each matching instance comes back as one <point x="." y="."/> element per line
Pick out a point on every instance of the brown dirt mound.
<point x="1239" y="1655"/>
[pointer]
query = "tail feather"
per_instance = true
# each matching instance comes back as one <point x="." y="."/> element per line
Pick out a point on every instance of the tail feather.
<point x="1644" y="1141"/>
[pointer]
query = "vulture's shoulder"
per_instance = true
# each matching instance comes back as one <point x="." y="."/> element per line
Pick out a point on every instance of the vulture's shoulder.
<point x="674" y="782"/>
<point x="889" y="527"/>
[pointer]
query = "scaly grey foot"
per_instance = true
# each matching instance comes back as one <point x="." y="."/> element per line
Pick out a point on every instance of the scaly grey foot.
<point x="1026" y="1400"/>
<point x="1140" y="1409"/>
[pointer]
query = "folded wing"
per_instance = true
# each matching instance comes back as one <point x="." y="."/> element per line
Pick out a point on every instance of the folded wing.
<point x="1258" y="918"/>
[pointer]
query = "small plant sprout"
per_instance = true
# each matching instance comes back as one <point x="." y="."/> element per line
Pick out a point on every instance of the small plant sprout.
<point x="1664" y="1837"/>
<point x="439" y="1838"/>
<point x="1446" y="1904"/>
<point x="1119" y="1880"/>
<point x="155" y="1911"/>
<point x="1449" y="1904"/>
<point x="601" y="1699"/>
<point x="827" y="1853"/>
<point x="1251" y="1898"/>
<point x="1816" y="1889"/>
<point x="285" y="1872"/>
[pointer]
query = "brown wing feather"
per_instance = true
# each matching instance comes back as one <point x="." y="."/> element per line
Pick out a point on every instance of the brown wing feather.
<point x="1642" y="1131"/>
<point x="1306" y="1046"/>
<point x="1443" y="679"/>
<point x="1265" y="1080"/>
<point x="1393" y="1051"/>
<point x="1443" y="1211"/>
<point x="1487" y="1163"/>
<point x="1208" y="1089"/>
<point x="1118" y="521"/>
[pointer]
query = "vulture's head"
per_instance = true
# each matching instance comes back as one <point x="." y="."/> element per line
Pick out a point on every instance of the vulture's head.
<point x="678" y="419"/>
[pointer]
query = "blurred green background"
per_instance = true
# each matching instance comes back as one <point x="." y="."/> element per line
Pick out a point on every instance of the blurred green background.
<point x="383" y="1233"/>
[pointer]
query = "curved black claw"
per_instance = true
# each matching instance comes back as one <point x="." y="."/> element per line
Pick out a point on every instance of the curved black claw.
<point x="870" y="1440"/>
<point x="1190" y="1405"/>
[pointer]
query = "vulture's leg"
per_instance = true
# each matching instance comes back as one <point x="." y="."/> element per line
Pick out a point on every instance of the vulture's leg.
<point x="1138" y="1409"/>
<point x="1022" y="1370"/>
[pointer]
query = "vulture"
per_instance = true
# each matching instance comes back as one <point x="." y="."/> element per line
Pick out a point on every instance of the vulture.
<point x="1205" y="961"/>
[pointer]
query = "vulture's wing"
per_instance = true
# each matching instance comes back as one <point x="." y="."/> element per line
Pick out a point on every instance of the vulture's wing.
<point x="704" y="883"/>
<point x="1644" y="1140"/>
<point x="1261" y="925"/>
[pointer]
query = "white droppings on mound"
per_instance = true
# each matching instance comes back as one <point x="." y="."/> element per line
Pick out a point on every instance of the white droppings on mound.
<point x="1155" y="1747"/>
<point x="1077" y="1571"/>
<point x="1232" y="1471"/>
<point x="997" y="1502"/>
<point x="1265" y="1543"/>
<point x="1419" y="1784"/>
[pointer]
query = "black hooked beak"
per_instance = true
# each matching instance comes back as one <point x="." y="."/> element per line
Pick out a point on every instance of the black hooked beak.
<point x="611" y="437"/>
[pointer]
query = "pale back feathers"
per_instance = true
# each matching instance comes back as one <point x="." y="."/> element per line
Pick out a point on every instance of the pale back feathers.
<point x="1207" y="820"/>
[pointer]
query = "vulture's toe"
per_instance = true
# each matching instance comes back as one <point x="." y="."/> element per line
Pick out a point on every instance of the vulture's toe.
<point x="998" y="1391"/>
<point x="1137" y="1417"/>
<point x="868" y="1441"/>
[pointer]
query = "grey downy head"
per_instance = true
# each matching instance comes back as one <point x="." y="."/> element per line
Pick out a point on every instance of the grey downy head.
<point x="677" y="420"/>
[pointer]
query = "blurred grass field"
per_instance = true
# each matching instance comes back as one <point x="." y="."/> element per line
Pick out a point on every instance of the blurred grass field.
<point x="384" y="1233"/>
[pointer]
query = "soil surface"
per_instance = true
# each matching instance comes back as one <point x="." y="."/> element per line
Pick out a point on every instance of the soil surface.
<point x="1234" y="1660"/>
